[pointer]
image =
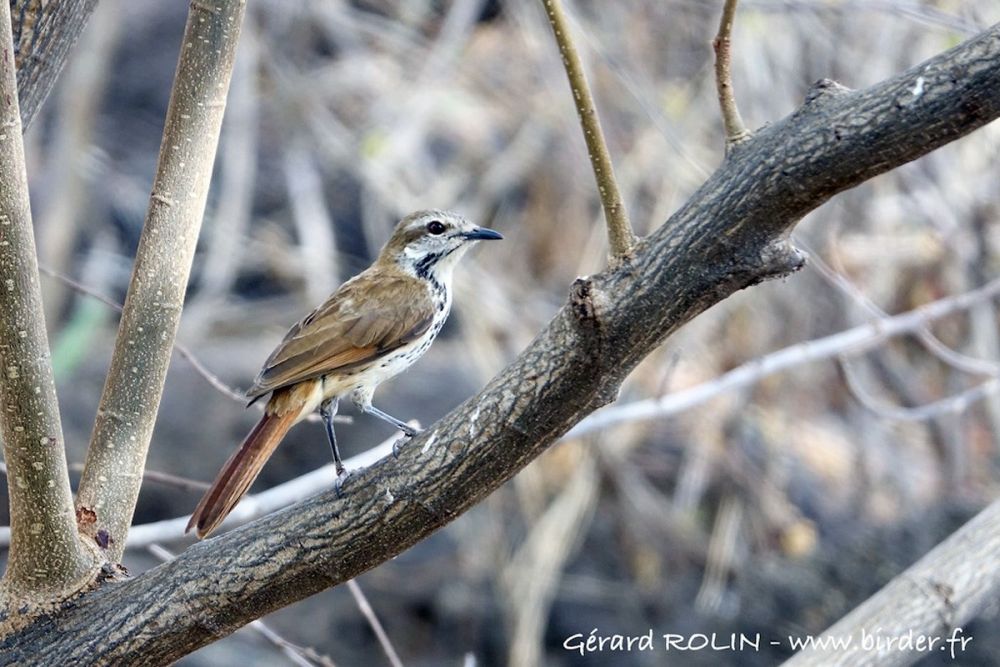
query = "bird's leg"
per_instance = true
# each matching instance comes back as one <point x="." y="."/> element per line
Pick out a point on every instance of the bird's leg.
<point x="362" y="399"/>
<point x="386" y="417"/>
<point x="328" y="409"/>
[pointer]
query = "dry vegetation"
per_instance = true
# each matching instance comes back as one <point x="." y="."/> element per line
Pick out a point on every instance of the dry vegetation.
<point x="772" y="508"/>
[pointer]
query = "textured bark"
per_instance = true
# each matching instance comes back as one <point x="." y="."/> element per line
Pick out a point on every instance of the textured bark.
<point x="44" y="34"/>
<point x="953" y="583"/>
<point x="46" y="557"/>
<point x="729" y="235"/>
<point x="123" y="429"/>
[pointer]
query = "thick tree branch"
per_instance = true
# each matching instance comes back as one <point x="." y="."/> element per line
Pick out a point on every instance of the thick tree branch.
<point x="854" y="341"/>
<point x="957" y="581"/>
<point x="731" y="234"/>
<point x="44" y="34"/>
<point x="112" y="472"/>
<point x="46" y="557"/>
<point x="621" y="240"/>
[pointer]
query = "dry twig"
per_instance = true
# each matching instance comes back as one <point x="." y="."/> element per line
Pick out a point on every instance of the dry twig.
<point x="376" y="625"/>
<point x="182" y="349"/>
<point x="621" y="239"/>
<point x="852" y="341"/>
<point x="736" y="131"/>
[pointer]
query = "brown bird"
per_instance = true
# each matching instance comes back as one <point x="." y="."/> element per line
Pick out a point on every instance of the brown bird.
<point x="372" y="328"/>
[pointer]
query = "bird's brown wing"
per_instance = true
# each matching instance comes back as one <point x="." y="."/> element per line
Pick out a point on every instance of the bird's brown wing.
<point x="368" y="317"/>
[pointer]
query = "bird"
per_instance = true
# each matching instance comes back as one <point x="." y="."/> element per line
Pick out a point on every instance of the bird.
<point x="373" y="327"/>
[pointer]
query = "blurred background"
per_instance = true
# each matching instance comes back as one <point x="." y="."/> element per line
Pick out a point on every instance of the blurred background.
<point x="772" y="507"/>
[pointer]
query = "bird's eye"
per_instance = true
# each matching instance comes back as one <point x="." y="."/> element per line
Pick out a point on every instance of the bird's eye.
<point x="435" y="227"/>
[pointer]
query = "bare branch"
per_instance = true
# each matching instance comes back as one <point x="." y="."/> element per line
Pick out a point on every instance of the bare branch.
<point x="165" y="478"/>
<point x="124" y="425"/>
<point x="182" y="349"/>
<point x="376" y="625"/>
<point x="957" y="581"/>
<point x="621" y="239"/>
<point x="47" y="558"/>
<point x="851" y="341"/>
<point x="954" y="404"/>
<point x="932" y="343"/>
<point x="45" y="33"/>
<point x="736" y="131"/>
<point x="296" y="654"/>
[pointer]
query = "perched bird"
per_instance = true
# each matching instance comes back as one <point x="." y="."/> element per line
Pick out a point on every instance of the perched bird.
<point x="372" y="328"/>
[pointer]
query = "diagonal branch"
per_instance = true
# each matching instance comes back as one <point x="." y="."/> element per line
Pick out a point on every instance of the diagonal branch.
<point x="852" y="341"/>
<point x="46" y="556"/>
<point x="730" y="235"/>
<point x="934" y="598"/>
<point x="621" y="239"/>
<point x="44" y="34"/>
<point x="112" y="472"/>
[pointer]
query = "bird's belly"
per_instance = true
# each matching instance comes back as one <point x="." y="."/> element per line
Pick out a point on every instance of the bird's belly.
<point x="379" y="370"/>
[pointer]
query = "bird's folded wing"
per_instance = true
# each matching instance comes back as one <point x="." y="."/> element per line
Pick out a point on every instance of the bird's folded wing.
<point x="362" y="321"/>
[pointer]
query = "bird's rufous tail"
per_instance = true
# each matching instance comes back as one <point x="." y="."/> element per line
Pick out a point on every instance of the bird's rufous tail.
<point x="239" y="472"/>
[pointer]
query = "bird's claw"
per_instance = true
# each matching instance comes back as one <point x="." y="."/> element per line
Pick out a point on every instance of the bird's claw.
<point x="397" y="446"/>
<point x="338" y="484"/>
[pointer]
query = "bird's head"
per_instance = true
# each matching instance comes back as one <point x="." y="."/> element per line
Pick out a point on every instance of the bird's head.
<point x="430" y="243"/>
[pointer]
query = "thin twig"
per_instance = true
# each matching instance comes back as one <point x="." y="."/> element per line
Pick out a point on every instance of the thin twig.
<point x="182" y="349"/>
<point x="954" y="404"/>
<point x="166" y="478"/>
<point x="621" y="239"/>
<point x="850" y="341"/>
<point x="255" y="505"/>
<point x="376" y="625"/>
<point x="736" y="131"/>
<point x="955" y="359"/>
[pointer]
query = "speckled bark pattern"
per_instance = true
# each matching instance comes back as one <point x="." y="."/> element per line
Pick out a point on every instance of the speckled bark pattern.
<point x="123" y="429"/>
<point x="730" y="235"/>
<point x="46" y="558"/>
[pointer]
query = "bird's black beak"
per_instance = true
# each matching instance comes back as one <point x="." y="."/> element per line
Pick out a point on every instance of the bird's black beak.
<point x="482" y="234"/>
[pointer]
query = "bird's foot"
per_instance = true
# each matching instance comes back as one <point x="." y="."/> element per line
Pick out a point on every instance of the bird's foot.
<point x="398" y="445"/>
<point x="338" y="485"/>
